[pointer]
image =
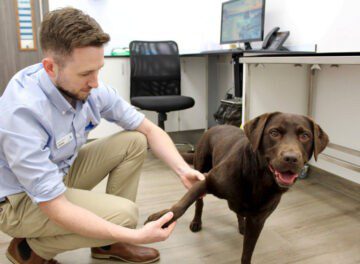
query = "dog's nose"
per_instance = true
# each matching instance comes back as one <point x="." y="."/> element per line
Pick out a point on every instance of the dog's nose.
<point x="291" y="157"/>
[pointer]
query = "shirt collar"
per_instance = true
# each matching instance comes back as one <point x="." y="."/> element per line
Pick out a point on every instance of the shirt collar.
<point x="54" y="95"/>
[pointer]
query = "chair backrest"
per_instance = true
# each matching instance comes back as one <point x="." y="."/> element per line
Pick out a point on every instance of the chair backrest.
<point x="155" y="68"/>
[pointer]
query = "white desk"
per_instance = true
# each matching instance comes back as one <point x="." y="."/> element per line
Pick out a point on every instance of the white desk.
<point x="324" y="86"/>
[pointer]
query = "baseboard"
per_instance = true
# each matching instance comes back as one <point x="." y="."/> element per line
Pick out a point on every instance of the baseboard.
<point x="334" y="182"/>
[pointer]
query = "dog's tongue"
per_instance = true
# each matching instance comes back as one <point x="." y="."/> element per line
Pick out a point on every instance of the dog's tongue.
<point x="286" y="178"/>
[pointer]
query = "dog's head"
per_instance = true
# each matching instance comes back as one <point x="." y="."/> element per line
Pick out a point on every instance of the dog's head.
<point x="287" y="142"/>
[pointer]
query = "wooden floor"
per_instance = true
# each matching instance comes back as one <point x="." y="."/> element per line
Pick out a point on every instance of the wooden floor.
<point x="311" y="225"/>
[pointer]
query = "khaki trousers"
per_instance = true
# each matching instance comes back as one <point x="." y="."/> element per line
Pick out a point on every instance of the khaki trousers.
<point x="120" y="156"/>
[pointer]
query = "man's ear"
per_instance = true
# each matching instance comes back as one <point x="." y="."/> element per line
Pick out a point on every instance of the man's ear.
<point x="254" y="129"/>
<point x="50" y="66"/>
<point x="320" y="138"/>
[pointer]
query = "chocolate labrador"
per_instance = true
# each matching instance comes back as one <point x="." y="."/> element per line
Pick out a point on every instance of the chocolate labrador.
<point x="251" y="169"/>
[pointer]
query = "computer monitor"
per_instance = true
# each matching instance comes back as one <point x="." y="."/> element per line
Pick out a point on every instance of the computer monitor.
<point x="242" y="21"/>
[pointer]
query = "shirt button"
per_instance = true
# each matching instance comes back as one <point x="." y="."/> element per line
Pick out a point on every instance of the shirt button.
<point x="63" y="112"/>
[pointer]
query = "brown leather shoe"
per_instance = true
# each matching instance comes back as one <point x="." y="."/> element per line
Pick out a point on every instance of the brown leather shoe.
<point x="19" y="252"/>
<point x="126" y="252"/>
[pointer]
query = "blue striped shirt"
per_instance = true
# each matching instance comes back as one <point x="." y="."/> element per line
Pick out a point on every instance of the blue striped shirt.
<point x="41" y="133"/>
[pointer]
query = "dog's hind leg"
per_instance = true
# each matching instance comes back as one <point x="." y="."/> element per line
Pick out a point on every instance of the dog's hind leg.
<point x="203" y="155"/>
<point x="195" y="224"/>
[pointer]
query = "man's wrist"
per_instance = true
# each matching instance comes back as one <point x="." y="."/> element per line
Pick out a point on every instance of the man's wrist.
<point x="128" y="235"/>
<point x="181" y="171"/>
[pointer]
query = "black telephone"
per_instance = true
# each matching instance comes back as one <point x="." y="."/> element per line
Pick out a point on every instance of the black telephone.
<point x="275" y="39"/>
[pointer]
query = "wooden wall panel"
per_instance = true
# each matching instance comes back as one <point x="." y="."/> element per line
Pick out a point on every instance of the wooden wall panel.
<point x="12" y="59"/>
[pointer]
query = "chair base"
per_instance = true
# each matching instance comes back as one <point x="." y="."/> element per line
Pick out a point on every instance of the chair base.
<point x="162" y="117"/>
<point x="189" y="145"/>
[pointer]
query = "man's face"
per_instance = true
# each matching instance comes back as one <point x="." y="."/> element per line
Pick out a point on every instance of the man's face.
<point x="79" y="74"/>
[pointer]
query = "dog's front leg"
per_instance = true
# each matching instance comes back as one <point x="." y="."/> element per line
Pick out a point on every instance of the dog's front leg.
<point x="241" y="224"/>
<point x="253" y="227"/>
<point x="195" y="192"/>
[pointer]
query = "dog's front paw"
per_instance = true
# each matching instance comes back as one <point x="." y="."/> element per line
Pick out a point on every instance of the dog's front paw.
<point x="156" y="216"/>
<point x="195" y="226"/>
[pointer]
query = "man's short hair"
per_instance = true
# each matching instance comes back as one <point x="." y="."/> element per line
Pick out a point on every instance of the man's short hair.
<point x="65" y="29"/>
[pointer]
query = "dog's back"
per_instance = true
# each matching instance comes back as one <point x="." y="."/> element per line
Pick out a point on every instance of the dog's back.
<point x="215" y="145"/>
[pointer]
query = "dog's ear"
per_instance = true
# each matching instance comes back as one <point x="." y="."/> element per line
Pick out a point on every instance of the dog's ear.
<point x="321" y="139"/>
<point x="255" y="127"/>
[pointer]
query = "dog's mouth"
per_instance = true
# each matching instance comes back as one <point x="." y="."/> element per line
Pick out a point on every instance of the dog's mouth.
<point x="284" y="179"/>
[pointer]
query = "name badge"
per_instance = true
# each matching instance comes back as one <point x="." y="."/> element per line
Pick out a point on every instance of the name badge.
<point x="64" y="140"/>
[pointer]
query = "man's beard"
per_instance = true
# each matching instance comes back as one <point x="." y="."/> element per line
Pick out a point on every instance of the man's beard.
<point x="71" y="96"/>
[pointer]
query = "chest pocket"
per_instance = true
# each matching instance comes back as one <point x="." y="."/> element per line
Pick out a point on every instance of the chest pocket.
<point x="91" y="125"/>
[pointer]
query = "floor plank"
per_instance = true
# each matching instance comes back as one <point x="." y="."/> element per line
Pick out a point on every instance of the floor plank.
<point x="313" y="224"/>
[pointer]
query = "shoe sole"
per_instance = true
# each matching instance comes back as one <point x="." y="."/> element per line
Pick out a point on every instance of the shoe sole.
<point x="103" y="256"/>
<point x="12" y="260"/>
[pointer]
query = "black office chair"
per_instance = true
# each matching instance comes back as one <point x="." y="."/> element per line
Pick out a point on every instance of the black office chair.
<point x="155" y="78"/>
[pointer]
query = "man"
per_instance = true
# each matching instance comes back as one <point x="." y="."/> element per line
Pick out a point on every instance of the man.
<point x="46" y="173"/>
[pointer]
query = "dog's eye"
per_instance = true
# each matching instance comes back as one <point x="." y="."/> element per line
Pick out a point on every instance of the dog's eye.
<point x="304" y="136"/>
<point x="274" y="133"/>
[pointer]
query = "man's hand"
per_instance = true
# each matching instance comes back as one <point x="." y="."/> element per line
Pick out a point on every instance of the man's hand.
<point x="153" y="231"/>
<point x="190" y="176"/>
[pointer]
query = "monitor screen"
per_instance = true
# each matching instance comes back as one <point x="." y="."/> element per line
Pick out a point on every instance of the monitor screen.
<point x="242" y="21"/>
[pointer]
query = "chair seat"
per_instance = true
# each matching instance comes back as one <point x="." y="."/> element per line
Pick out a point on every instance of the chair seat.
<point x="164" y="103"/>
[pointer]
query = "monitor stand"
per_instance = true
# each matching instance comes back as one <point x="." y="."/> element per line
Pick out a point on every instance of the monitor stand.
<point x="238" y="70"/>
<point x="238" y="74"/>
<point x="247" y="46"/>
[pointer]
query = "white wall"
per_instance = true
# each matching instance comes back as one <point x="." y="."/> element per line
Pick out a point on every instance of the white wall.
<point x="195" y="25"/>
<point x="331" y="24"/>
<point x="335" y="103"/>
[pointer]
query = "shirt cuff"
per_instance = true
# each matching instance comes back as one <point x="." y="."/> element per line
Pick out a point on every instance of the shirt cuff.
<point x="48" y="195"/>
<point x="135" y="123"/>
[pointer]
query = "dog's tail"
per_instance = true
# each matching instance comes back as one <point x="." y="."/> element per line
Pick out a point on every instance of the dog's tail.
<point x="188" y="157"/>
